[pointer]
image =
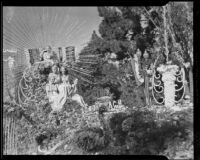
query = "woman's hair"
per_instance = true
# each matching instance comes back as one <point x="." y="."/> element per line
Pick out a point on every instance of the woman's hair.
<point x="54" y="65"/>
<point x="66" y="71"/>
<point x="42" y="55"/>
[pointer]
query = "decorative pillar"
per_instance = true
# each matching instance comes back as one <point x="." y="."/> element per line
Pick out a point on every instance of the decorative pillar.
<point x="168" y="77"/>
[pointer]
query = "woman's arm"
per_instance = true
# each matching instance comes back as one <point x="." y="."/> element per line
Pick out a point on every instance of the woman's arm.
<point x="57" y="79"/>
<point x="74" y="88"/>
<point x="47" y="89"/>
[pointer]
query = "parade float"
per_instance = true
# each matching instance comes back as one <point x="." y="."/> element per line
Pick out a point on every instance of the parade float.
<point x="35" y="90"/>
<point x="52" y="114"/>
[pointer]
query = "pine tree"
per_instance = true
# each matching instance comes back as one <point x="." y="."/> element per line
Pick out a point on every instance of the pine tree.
<point x="118" y="22"/>
<point x="181" y="14"/>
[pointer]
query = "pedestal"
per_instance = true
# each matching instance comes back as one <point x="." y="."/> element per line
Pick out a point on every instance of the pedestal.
<point x="168" y="77"/>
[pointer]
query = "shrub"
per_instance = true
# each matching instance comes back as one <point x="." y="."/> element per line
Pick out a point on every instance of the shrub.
<point x="142" y="132"/>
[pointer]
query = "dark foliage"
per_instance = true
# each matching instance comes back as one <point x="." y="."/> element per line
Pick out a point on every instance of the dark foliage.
<point x="140" y="132"/>
<point x="94" y="139"/>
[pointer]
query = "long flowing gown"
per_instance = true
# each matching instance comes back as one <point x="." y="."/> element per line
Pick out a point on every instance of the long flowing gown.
<point x="52" y="90"/>
<point x="53" y="95"/>
<point x="69" y="91"/>
<point x="59" y="93"/>
<point x="64" y="90"/>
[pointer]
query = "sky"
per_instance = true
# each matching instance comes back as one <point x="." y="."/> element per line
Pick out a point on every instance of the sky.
<point x="30" y="27"/>
<point x="90" y="14"/>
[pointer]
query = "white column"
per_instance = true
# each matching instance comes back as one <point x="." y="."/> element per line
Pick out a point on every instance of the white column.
<point x="168" y="77"/>
<point x="169" y="88"/>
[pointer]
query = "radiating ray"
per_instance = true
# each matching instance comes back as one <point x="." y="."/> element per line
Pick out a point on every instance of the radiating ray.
<point x="57" y="24"/>
<point x="84" y="70"/>
<point x="74" y="31"/>
<point x="87" y="62"/>
<point x="21" y="24"/>
<point x="33" y="26"/>
<point x="69" y="30"/>
<point x="85" y="59"/>
<point x="82" y="78"/>
<point x="90" y="56"/>
<point x="8" y="34"/>
<point x="37" y="27"/>
<point x="30" y="31"/>
<point x="41" y="26"/>
<point x="81" y="72"/>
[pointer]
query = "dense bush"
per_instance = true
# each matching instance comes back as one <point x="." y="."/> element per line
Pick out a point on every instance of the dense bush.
<point x="49" y="129"/>
<point x="94" y="139"/>
<point x="140" y="131"/>
<point x="145" y="131"/>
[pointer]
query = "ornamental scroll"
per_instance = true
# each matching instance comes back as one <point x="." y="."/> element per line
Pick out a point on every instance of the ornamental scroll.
<point x="168" y="84"/>
<point x="31" y="85"/>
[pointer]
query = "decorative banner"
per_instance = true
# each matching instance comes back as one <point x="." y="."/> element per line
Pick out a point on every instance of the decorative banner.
<point x="60" y="54"/>
<point x="10" y="50"/>
<point x="34" y="55"/>
<point x="70" y="54"/>
<point x="64" y="54"/>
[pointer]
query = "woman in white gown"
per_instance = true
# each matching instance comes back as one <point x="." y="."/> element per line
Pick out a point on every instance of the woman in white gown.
<point x="52" y="89"/>
<point x="65" y="87"/>
<point x="69" y="91"/>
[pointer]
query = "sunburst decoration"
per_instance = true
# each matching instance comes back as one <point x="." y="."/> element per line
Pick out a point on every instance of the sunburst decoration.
<point x="37" y="27"/>
<point x="31" y="79"/>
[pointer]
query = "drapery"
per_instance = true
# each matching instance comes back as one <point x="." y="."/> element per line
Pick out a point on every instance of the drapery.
<point x="58" y="95"/>
<point x="60" y="53"/>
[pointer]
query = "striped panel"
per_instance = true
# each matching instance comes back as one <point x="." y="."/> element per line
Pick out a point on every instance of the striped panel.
<point x="9" y="135"/>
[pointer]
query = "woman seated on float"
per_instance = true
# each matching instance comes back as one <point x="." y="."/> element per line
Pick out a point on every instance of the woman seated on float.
<point x="55" y="74"/>
<point x="68" y="91"/>
<point x="52" y="86"/>
<point x="58" y="89"/>
<point x="65" y="87"/>
<point x="58" y="93"/>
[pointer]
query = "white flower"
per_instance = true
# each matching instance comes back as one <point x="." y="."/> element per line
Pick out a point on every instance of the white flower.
<point x="149" y="71"/>
<point x="187" y="64"/>
<point x="167" y="68"/>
